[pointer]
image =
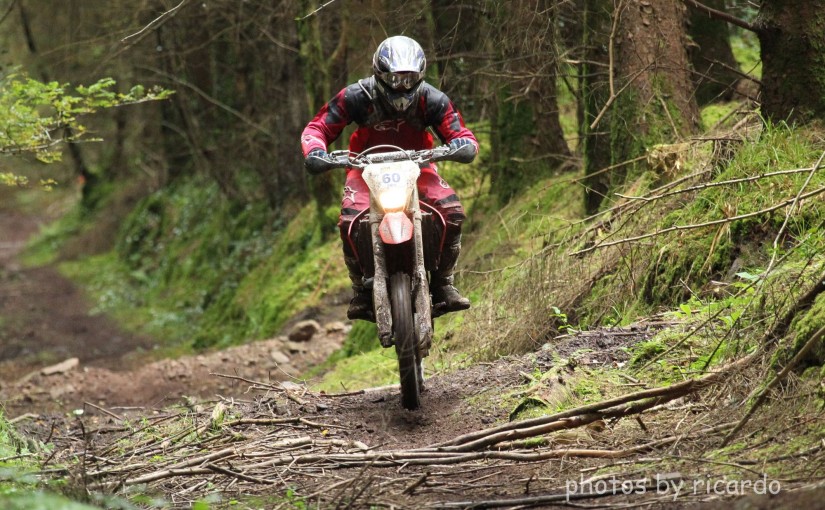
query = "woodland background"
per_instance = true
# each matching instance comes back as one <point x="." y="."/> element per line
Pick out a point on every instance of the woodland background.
<point x="641" y="160"/>
<point x="196" y="211"/>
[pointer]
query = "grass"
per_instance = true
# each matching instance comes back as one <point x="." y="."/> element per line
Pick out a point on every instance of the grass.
<point x="377" y="367"/>
<point x="19" y="488"/>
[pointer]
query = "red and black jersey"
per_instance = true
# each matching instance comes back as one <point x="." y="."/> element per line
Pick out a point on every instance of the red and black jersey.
<point x="380" y="125"/>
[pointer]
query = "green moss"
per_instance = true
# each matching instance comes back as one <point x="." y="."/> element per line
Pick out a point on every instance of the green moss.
<point x="368" y="369"/>
<point x="714" y="113"/>
<point x="804" y="327"/>
<point x="20" y="490"/>
<point x="646" y="350"/>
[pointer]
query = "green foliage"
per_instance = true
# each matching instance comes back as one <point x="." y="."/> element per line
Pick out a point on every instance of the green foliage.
<point x="37" y="117"/>
<point x="39" y="500"/>
<point x="19" y="490"/>
<point x="200" y="270"/>
<point x="363" y="337"/>
<point x="746" y="51"/>
<point x="714" y="113"/>
<point x="803" y="328"/>
<point x="646" y="350"/>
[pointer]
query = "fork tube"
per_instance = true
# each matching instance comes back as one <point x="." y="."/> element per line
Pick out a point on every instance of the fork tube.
<point x="380" y="295"/>
<point x="423" y="309"/>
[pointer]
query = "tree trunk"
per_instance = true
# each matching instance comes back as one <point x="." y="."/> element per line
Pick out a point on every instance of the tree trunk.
<point x="711" y="55"/>
<point x="531" y="141"/>
<point x="316" y="79"/>
<point x="651" y="99"/>
<point x="458" y="27"/>
<point x="595" y="92"/>
<point x="659" y="105"/>
<point x="792" y="36"/>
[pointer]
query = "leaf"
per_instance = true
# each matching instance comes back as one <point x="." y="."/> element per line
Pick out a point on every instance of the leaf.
<point x="748" y="276"/>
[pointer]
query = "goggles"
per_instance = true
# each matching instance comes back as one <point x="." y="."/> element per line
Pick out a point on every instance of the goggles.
<point x="405" y="80"/>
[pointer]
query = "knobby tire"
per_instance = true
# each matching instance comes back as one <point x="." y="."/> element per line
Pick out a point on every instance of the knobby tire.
<point x="406" y="343"/>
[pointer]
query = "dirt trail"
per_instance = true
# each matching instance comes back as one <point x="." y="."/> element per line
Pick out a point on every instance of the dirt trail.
<point x="45" y="320"/>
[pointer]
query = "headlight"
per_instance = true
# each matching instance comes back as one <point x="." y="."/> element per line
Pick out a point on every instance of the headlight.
<point x="393" y="199"/>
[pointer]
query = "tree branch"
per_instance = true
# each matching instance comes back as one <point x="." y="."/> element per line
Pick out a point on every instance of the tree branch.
<point x="816" y="337"/>
<point x="701" y="225"/>
<point x="733" y="20"/>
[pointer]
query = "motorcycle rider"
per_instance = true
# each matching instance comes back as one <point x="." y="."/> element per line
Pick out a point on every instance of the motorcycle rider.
<point x="394" y="106"/>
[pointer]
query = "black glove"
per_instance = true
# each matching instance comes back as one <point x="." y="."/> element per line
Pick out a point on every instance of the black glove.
<point x="317" y="161"/>
<point x="463" y="150"/>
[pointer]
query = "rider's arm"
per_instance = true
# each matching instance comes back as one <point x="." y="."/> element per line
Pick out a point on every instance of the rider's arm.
<point x="446" y="119"/>
<point x="327" y="124"/>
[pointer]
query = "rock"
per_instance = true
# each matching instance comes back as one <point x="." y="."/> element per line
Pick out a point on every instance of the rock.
<point x="296" y="347"/>
<point x="61" y="367"/>
<point x="335" y="327"/>
<point x="304" y="331"/>
<point x="59" y="391"/>
<point x="279" y="357"/>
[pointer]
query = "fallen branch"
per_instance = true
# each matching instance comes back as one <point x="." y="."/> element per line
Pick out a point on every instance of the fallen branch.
<point x="706" y="185"/>
<point x="239" y="476"/>
<point x="760" y="398"/>
<point x="611" y="407"/>
<point x="702" y="225"/>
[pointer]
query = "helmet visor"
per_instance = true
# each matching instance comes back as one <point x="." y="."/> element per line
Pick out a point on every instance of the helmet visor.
<point x="404" y="80"/>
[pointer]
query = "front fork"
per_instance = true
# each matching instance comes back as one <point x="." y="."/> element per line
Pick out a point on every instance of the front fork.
<point x="420" y="286"/>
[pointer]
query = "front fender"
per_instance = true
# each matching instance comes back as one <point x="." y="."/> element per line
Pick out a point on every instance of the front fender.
<point x="395" y="228"/>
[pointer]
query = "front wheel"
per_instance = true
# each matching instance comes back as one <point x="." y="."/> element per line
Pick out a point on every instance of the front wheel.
<point x="406" y="343"/>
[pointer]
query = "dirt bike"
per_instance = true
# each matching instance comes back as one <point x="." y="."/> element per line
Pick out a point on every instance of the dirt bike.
<point x="398" y="241"/>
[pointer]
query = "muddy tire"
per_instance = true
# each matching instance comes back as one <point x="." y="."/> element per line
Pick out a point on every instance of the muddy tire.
<point x="406" y="343"/>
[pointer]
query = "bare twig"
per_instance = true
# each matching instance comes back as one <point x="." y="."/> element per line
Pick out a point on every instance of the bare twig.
<point x="790" y="211"/>
<point x="615" y="96"/>
<point x="155" y="23"/>
<point x="776" y="380"/>
<point x="706" y="185"/>
<point x="24" y="417"/>
<point x="701" y="225"/>
<point x="105" y="411"/>
<point x="416" y="484"/>
<point x="315" y="11"/>
<point x="733" y="20"/>
<point x="210" y="99"/>
<point x="234" y="474"/>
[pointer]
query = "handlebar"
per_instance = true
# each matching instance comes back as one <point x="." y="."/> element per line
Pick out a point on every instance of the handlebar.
<point x="340" y="159"/>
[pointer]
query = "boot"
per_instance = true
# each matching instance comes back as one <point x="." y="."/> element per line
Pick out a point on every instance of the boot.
<point x="360" y="307"/>
<point x="442" y="279"/>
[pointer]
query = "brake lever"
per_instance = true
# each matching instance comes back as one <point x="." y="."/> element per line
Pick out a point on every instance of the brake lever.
<point x="440" y="153"/>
